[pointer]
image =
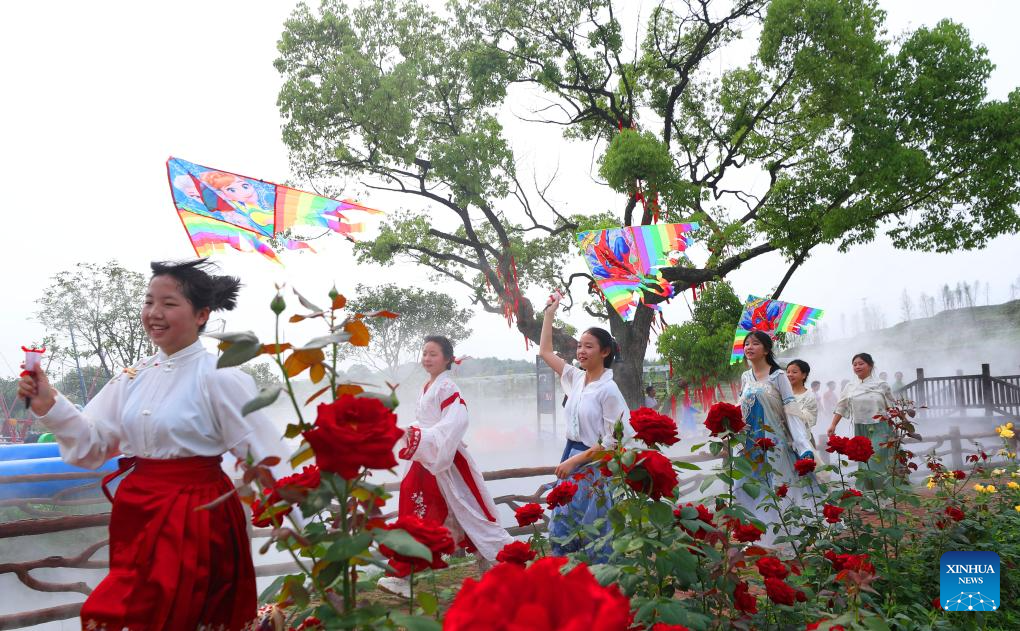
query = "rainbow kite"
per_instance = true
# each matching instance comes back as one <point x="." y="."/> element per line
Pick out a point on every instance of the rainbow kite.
<point x="625" y="262"/>
<point x="221" y="210"/>
<point x="771" y="316"/>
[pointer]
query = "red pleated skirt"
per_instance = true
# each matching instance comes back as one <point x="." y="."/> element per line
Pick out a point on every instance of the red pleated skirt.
<point x="172" y="567"/>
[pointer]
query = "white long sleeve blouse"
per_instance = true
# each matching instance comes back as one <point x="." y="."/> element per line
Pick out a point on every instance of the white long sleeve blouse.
<point x="166" y="407"/>
<point x="594" y="408"/>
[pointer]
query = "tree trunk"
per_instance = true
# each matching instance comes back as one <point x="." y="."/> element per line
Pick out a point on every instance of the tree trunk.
<point x="633" y="340"/>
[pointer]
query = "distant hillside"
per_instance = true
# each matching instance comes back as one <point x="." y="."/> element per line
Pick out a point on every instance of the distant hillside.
<point x="957" y="339"/>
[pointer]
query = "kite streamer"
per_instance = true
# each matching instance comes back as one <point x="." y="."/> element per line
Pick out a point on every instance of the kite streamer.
<point x="771" y="316"/>
<point x="221" y="210"/>
<point x="626" y="262"/>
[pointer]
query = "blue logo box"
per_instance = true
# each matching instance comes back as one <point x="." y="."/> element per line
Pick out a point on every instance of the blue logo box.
<point x="969" y="581"/>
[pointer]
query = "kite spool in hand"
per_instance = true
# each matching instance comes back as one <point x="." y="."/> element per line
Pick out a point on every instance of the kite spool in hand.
<point x="32" y="357"/>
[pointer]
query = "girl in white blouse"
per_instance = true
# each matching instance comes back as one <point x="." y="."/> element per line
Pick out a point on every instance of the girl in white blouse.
<point x="171" y="416"/>
<point x="861" y="401"/>
<point x="594" y="406"/>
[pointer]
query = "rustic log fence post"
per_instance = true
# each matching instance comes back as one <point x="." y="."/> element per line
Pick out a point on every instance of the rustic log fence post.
<point x="986" y="389"/>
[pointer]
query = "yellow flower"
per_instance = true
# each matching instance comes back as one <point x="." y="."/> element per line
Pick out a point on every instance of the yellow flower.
<point x="1013" y="485"/>
<point x="1017" y="508"/>
<point x="1012" y="455"/>
<point x="931" y="482"/>
<point x="998" y="471"/>
<point x="979" y="488"/>
<point x="1005" y="431"/>
<point x="1015" y="474"/>
<point x="989" y="489"/>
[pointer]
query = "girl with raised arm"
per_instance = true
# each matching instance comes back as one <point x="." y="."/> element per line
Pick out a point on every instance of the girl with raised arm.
<point x="594" y="406"/>
<point x="443" y="485"/>
<point x="171" y="417"/>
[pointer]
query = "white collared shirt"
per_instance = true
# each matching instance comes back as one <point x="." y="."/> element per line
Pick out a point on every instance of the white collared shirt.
<point x="166" y="407"/>
<point x="593" y="409"/>
<point x="862" y="400"/>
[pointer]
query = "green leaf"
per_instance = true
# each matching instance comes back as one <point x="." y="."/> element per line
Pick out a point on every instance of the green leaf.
<point x="414" y="623"/>
<point x="697" y="447"/>
<point x="348" y="547"/>
<point x="266" y="397"/>
<point x="429" y="603"/>
<point x="238" y="353"/>
<point x="402" y="543"/>
<point x="660" y="514"/>
<point x="270" y="592"/>
<point x="293" y="431"/>
<point x="715" y="448"/>
<point x="235" y="337"/>
<point x="752" y="488"/>
<point x="689" y="466"/>
<point x="326" y="340"/>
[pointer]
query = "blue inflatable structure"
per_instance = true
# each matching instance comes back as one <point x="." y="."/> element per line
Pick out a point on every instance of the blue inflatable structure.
<point x="42" y="458"/>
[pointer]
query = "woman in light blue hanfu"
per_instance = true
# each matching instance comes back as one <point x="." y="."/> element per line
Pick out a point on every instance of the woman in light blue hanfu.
<point x="593" y="409"/>
<point x="766" y="400"/>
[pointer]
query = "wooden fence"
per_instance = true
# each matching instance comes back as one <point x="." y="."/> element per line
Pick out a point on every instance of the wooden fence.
<point x="44" y="519"/>
<point x="957" y="394"/>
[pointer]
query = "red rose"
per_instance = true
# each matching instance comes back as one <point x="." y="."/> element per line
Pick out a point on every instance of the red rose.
<point x="954" y="513"/>
<point x="561" y="494"/>
<point x="724" y="416"/>
<point x="832" y="513"/>
<point x="354" y="433"/>
<point x="746" y="533"/>
<point x="936" y="604"/>
<point x="518" y="552"/>
<point x="851" y="493"/>
<point x="850" y="562"/>
<point x="653" y="428"/>
<point x="782" y="490"/>
<point x="528" y="514"/>
<point x="262" y="517"/>
<point x="837" y="444"/>
<point x="804" y="466"/>
<point x="538" y="598"/>
<point x="433" y="536"/>
<point x="309" y="623"/>
<point x="652" y="474"/>
<point x="860" y="449"/>
<point x="295" y="487"/>
<point x="743" y="600"/>
<point x="781" y="593"/>
<point x="959" y="475"/>
<point x="764" y="443"/>
<point x="771" y="567"/>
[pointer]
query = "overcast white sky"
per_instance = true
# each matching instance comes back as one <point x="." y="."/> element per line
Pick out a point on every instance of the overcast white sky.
<point x="98" y="94"/>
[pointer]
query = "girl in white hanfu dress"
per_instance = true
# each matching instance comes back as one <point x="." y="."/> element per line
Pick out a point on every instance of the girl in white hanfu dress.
<point x="861" y="401"/>
<point x="443" y="485"/>
<point x="766" y="401"/>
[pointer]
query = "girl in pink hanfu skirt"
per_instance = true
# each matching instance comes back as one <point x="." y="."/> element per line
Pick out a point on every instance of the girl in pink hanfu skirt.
<point x="443" y="484"/>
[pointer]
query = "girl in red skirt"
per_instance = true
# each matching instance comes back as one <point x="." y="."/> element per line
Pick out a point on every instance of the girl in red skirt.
<point x="170" y="417"/>
<point x="443" y="485"/>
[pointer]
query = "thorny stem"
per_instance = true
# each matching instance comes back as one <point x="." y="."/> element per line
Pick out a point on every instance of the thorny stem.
<point x="286" y="377"/>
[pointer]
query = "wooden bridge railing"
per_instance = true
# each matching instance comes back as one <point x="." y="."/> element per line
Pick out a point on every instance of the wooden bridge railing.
<point x="991" y="395"/>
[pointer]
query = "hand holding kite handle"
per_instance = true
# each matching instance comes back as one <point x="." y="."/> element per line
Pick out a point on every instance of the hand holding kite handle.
<point x="32" y="357"/>
<point x="554" y="300"/>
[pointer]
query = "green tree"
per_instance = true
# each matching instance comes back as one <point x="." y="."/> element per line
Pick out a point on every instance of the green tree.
<point x="264" y="373"/>
<point x="396" y="341"/>
<point x="103" y="304"/>
<point x="827" y="133"/>
<point x="699" y="350"/>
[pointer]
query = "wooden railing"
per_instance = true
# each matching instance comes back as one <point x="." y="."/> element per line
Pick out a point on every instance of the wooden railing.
<point x="959" y="393"/>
